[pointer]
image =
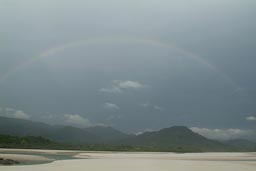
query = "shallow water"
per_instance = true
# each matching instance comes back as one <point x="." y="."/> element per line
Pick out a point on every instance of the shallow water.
<point x="52" y="156"/>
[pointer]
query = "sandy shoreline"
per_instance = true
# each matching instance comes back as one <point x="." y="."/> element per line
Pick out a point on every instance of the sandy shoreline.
<point x="173" y="156"/>
<point x="121" y="161"/>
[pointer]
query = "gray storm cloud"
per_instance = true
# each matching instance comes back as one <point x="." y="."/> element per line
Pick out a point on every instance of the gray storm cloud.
<point x="149" y="64"/>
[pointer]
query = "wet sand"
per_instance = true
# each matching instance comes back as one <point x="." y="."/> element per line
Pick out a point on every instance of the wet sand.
<point x="107" y="161"/>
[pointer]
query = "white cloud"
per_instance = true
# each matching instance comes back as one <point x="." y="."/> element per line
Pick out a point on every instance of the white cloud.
<point x="158" y="108"/>
<point x="250" y="118"/>
<point x="13" y="113"/>
<point x="76" y="120"/>
<point x="146" y="130"/>
<point x="129" y="84"/>
<point x="118" y="86"/>
<point x="111" y="106"/>
<point x="155" y="107"/>
<point x="20" y="114"/>
<point x="111" y="90"/>
<point x="225" y="134"/>
<point x="145" y="104"/>
<point x="8" y="109"/>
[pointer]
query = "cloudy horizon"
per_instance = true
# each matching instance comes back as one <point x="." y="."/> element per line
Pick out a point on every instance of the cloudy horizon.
<point x="81" y="122"/>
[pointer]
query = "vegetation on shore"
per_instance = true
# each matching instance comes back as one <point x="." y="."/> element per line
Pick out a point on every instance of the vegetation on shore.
<point x="32" y="142"/>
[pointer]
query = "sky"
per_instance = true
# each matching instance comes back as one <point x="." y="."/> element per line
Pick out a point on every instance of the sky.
<point x="134" y="65"/>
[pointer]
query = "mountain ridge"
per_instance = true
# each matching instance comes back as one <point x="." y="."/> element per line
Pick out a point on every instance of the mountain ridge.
<point x="175" y="138"/>
<point x="59" y="133"/>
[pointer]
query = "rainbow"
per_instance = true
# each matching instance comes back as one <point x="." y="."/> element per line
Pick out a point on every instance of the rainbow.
<point x="116" y="39"/>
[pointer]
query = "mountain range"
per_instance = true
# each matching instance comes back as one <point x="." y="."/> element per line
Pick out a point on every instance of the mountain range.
<point x="176" y="138"/>
<point x="59" y="133"/>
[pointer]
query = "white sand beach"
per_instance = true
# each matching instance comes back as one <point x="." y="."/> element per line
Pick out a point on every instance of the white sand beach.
<point x="107" y="161"/>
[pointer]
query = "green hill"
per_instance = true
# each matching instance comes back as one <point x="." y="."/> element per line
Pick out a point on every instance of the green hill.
<point x="8" y="141"/>
<point x="177" y="138"/>
<point x="62" y="134"/>
<point x="20" y="127"/>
